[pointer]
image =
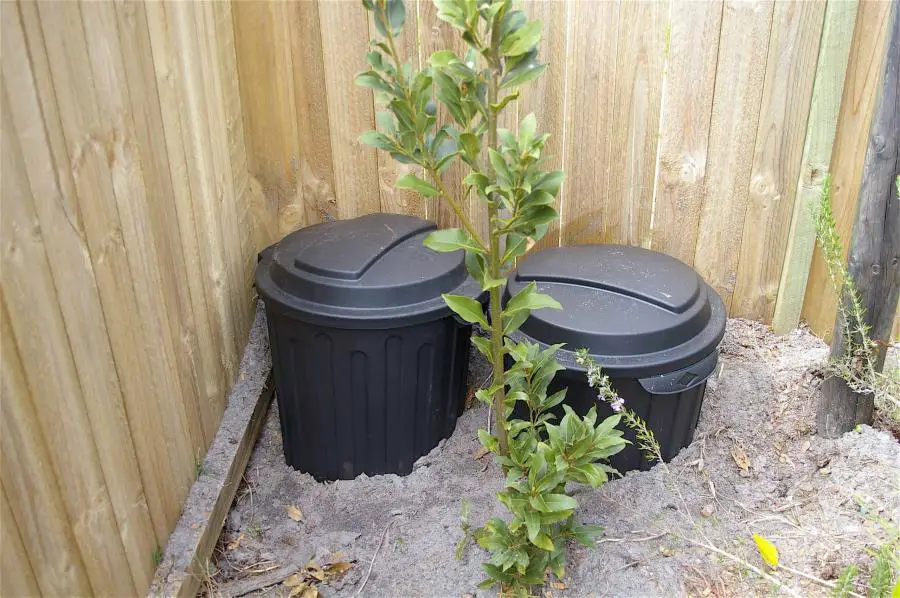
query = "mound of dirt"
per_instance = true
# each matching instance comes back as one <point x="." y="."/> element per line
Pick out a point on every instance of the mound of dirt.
<point x="755" y="466"/>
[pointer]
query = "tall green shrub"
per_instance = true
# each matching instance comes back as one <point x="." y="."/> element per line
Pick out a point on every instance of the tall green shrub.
<point x="538" y="456"/>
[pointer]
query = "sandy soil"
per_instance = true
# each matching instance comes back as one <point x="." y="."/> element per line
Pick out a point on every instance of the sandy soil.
<point x="823" y="503"/>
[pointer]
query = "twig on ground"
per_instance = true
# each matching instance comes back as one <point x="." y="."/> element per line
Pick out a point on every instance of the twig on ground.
<point x="644" y="539"/>
<point x="817" y="580"/>
<point x="744" y="563"/>
<point x="374" y="556"/>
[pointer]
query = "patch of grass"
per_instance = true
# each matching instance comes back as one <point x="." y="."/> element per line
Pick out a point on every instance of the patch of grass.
<point x="157" y="556"/>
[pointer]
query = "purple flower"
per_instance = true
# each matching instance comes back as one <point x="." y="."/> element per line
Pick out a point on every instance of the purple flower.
<point x="617" y="404"/>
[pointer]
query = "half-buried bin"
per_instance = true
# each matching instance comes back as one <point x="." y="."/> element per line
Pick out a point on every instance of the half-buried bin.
<point x="648" y="319"/>
<point x="369" y="363"/>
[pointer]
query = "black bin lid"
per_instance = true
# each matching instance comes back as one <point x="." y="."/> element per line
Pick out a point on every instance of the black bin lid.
<point x="639" y="312"/>
<point x="365" y="272"/>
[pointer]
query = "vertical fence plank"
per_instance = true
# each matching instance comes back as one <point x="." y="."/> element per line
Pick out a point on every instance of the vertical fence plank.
<point x="435" y="35"/>
<point x="739" y="82"/>
<point x="831" y="68"/>
<point x="142" y="221"/>
<point x="223" y="109"/>
<point x="546" y="95"/>
<point x="315" y="163"/>
<point x="847" y="157"/>
<point x="780" y="135"/>
<point x="244" y="252"/>
<point x="72" y="271"/>
<point x="17" y="578"/>
<point x="263" y="33"/>
<point x="591" y="89"/>
<point x="190" y="317"/>
<point x="99" y="227"/>
<point x="635" y="120"/>
<point x="49" y="371"/>
<point x="400" y="201"/>
<point x="37" y="504"/>
<point x="690" y="76"/>
<point x="350" y="111"/>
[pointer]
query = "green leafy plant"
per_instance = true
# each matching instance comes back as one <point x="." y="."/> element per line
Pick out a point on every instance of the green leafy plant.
<point x="505" y="172"/>
<point x="857" y="367"/>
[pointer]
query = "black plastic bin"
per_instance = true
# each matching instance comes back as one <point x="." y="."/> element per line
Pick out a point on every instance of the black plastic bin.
<point x="647" y="318"/>
<point x="369" y="363"/>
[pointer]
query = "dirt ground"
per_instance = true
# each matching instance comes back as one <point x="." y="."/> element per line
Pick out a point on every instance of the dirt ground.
<point x="824" y="503"/>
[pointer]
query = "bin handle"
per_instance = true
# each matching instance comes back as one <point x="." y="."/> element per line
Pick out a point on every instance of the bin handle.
<point x="683" y="379"/>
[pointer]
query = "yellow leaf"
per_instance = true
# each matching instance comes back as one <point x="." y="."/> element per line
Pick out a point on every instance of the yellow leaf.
<point x="294" y="512"/>
<point x="740" y="457"/>
<point x="337" y="569"/>
<point x="298" y="589"/>
<point x="236" y="542"/>
<point x="767" y="550"/>
<point x="293" y="581"/>
<point x="310" y="592"/>
<point x="314" y="571"/>
<point x="558" y="585"/>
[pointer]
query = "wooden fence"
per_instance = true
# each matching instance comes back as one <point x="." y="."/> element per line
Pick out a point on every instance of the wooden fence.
<point x="700" y="129"/>
<point x="126" y="270"/>
<point x="150" y="149"/>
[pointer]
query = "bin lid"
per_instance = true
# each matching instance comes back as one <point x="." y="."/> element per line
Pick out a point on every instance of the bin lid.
<point x="639" y="312"/>
<point x="362" y="272"/>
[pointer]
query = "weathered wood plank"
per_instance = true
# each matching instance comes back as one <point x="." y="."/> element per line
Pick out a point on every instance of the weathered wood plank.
<point x="49" y="371"/>
<point x="740" y="76"/>
<point x="546" y="95"/>
<point x="70" y="266"/>
<point x="873" y="264"/>
<point x="848" y="155"/>
<point x="350" y="109"/>
<point x="98" y="227"/>
<point x="777" y="157"/>
<point x="35" y="498"/>
<point x="436" y="35"/>
<point x="690" y="78"/>
<point x="635" y="111"/>
<point x="831" y="68"/>
<point x="587" y="203"/>
<point x="400" y="201"/>
<point x="16" y="575"/>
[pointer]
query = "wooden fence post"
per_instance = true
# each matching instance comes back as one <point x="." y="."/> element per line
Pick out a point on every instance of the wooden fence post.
<point x="874" y="256"/>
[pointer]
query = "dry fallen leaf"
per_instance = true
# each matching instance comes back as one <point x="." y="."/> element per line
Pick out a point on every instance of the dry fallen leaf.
<point x="741" y="459"/>
<point x="558" y="585"/>
<point x="298" y="589"/>
<point x="708" y="510"/>
<point x="236" y="542"/>
<point x="293" y="581"/>
<point x="337" y="569"/>
<point x="313" y="570"/>
<point x="294" y="512"/>
<point x="310" y="592"/>
<point x="480" y="453"/>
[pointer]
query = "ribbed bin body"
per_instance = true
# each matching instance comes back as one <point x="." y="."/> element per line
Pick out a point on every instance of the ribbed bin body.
<point x="672" y="417"/>
<point x="369" y="362"/>
<point x="366" y="401"/>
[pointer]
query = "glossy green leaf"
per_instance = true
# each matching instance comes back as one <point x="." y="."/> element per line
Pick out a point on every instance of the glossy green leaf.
<point x="529" y="298"/>
<point x="414" y="183"/>
<point x="373" y="80"/>
<point x="450" y="239"/>
<point x="376" y="139"/>
<point x="466" y="308"/>
<point x="543" y="541"/>
<point x="522" y="40"/>
<point x="552" y="503"/>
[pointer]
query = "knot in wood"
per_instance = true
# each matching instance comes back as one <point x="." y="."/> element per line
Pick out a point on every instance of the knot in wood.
<point x="876" y="269"/>
<point x="878" y="143"/>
